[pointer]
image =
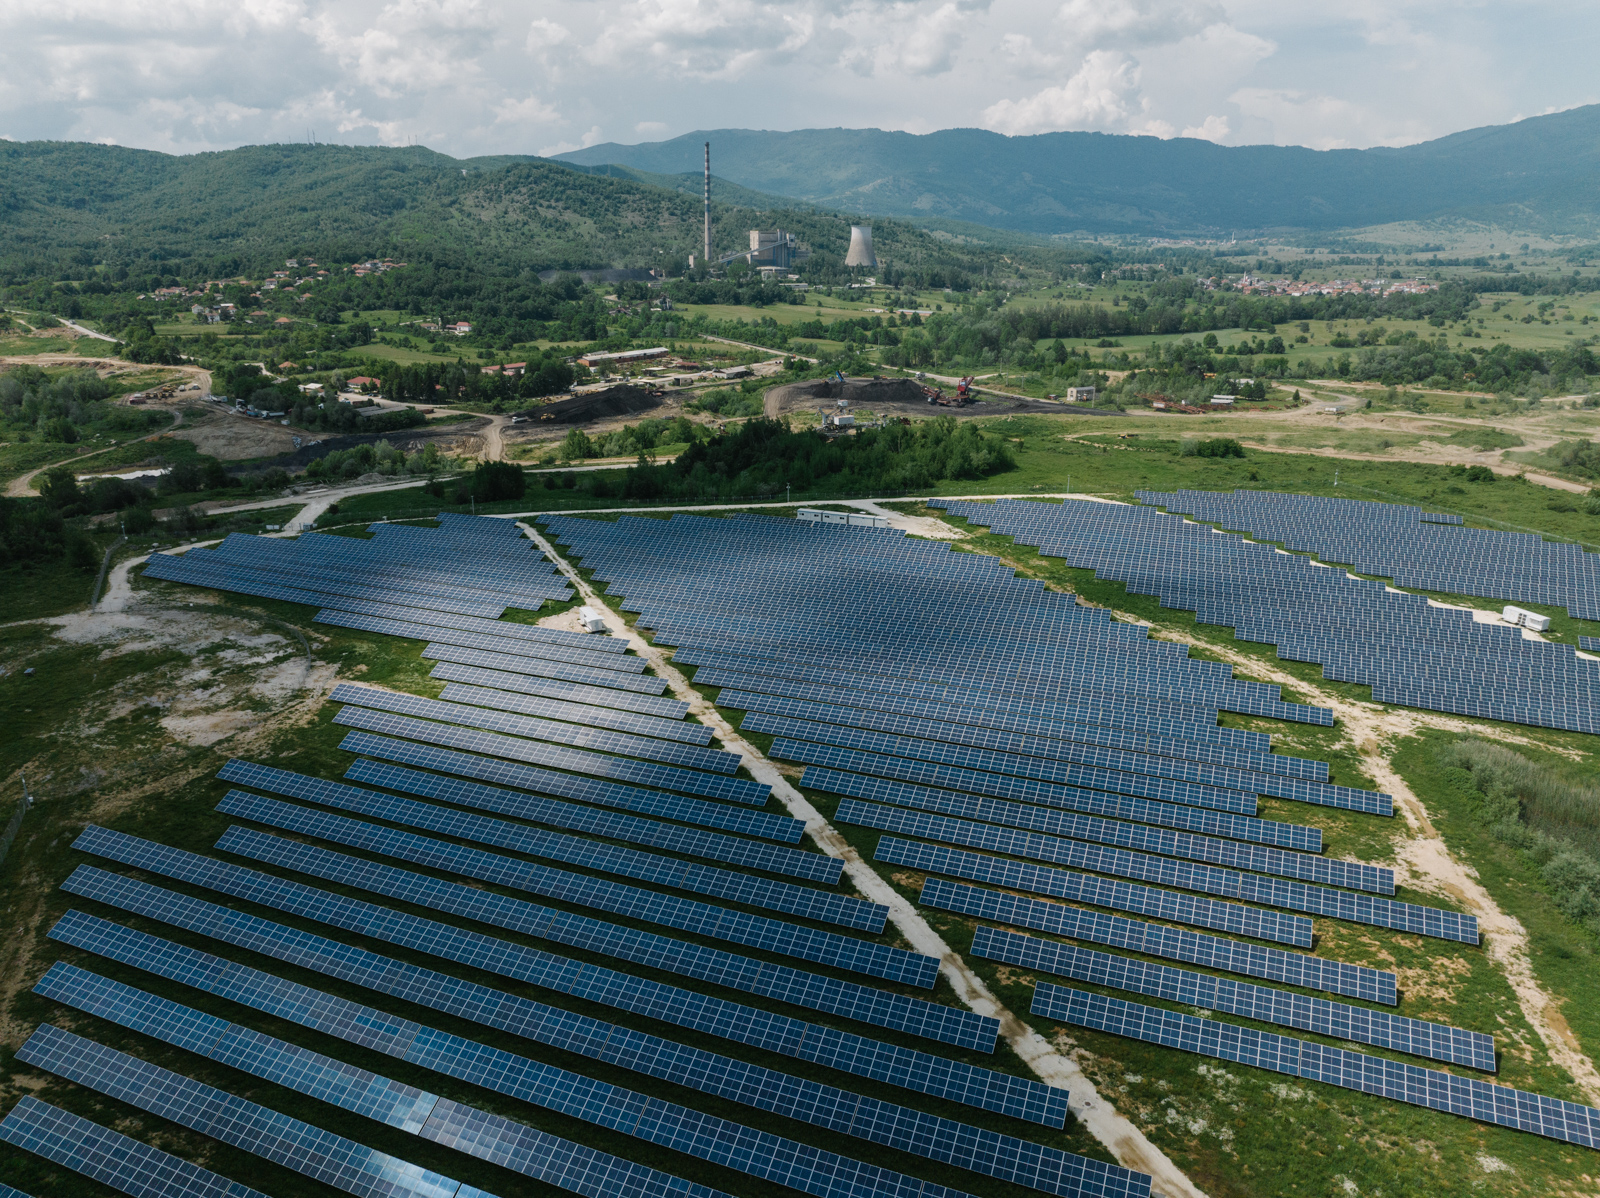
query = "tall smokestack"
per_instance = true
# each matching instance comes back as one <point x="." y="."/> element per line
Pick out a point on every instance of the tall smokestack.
<point x="708" y="205"/>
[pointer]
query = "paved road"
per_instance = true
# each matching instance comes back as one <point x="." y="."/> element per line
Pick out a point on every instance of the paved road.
<point x="78" y="328"/>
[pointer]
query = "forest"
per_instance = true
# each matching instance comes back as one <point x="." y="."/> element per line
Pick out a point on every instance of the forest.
<point x="763" y="457"/>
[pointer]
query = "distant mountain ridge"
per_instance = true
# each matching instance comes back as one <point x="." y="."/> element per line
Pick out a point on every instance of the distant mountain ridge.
<point x="1541" y="173"/>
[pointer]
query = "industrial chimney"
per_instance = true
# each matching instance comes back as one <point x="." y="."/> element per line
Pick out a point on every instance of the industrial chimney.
<point x="708" y="206"/>
<point x="860" y="247"/>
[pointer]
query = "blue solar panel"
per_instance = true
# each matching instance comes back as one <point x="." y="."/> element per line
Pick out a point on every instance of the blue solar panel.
<point x="318" y="1154"/>
<point x="547" y="1086"/>
<point x="551" y="688"/>
<point x="1124" y="807"/>
<point x="685" y="915"/>
<point x="813" y="867"/>
<point x="572" y="786"/>
<point x="579" y="761"/>
<point x="1188" y="909"/>
<point x="1468" y="1097"/>
<point x="956" y="1081"/>
<point x="540" y="668"/>
<point x="109" y="1157"/>
<point x="1174" y="944"/>
<point x="647" y="747"/>
<point x="1248" y="887"/>
<point x="578" y="713"/>
<point x="1340" y="1021"/>
<point x="917" y="1017"/>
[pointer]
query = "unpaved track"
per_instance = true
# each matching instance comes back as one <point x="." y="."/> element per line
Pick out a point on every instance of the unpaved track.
<point x="1125" y="1141"/>
<point x="22" y="485"/>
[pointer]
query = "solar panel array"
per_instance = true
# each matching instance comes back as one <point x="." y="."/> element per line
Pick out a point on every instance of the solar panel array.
<point x="1411" y="652"/>
<point x="1046" y="734"/>
<point x="547" y="1086"/>
<point x="109" y="1157"/>
<point x="1433" y="1088"/>
<point x="552" y="747"/>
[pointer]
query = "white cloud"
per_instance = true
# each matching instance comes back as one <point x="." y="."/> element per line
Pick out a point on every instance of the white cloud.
<point x="1102" y="95"/>
<point x="591" y="138"/>
<point x="495" y="76"/>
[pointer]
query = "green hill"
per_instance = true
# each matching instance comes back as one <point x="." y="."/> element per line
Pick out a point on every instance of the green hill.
<point x="72" y="210"/>
<point x="1540" y="173"/>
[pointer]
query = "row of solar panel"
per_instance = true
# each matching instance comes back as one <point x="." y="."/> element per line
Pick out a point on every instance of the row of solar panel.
<point x="540" y="668"/>
<point x="508" y="682"/>
<point x="537" y="728"/>
<point x="301" y="1147"/>
<point x="1067" y="765"/>
<point x="1172" y="944"/>
<point x="859" y="713"/>
<point x="915" y="1016"/>
<point x="560" y="1090"/>
<point x="580" y="761"/>
<point x="993" y="712"/>
<point x="311" y="591"/>
<point x="968" y="1085"/>
<point x="577" y="713"/>
<point x="1274" y="926"/>
<point x="1229" y="853"/>
<point x="573" y="786"/>
<point x="813" y="867"/>
<point x="1338" y="1020"/>
<point x="1042" y="818"/>
<point x="648" y="906"/>
<point x="1432" y="1088"/>
<point x="1205" y="879"/>
<point x="601" y="664"/>
<point x="821" y="905"/>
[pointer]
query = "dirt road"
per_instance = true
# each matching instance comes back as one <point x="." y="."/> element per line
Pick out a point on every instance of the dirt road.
<point x="22" y="485"/>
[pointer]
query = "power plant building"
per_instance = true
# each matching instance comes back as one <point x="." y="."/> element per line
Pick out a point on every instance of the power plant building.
<point x="861" y="247"/>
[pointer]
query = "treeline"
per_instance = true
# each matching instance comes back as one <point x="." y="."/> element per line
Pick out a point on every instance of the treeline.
<point x="547" y="373"/>
<point x="763" y="457"/>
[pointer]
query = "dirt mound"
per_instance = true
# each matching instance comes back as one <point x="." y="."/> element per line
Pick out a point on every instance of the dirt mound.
<point x="403" y="438"/>
<point x="621" y="400"/>
<point x="813" y="393"/>
<point x="900" y="397"/>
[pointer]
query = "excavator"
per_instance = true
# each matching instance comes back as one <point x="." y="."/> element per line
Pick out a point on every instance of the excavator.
<point x="964" y="391"/>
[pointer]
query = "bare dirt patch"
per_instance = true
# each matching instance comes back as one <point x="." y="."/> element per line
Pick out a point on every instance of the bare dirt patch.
<point x="232" y="438"/>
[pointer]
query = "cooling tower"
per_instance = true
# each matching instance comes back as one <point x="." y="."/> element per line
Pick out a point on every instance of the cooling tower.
<point x="860" y="247"/>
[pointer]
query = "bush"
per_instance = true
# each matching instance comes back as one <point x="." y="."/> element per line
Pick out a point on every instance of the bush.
<point x="497" y="480"/>
<point x="1219" y="447"/>
<point x="137" y="521"/>
<point x="1479" y="474"/>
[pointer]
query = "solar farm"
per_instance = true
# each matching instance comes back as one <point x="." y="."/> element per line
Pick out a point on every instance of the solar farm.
<point x="774" y="886"/>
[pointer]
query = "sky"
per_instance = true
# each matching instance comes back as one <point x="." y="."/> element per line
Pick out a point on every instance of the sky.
<point x="472" y="77"/>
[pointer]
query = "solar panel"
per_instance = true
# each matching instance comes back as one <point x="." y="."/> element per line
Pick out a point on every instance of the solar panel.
<point x="551" y="688"/>
<point x="572" y="786"/>
<point x="1247" y="887"/>
<point x="109" y="1157"/>
<point x="908" y="1068"/>
<point x="820" y="905"/>
<point x="1470" y="1098"/>
<point x="578" y="713"/>
<point x="540" y="668"/>
<point x="813" y="867"/>
<point x="308" y="1150"/>
<point x="917" y="1017"/>
<point x="1122" y="807"/>
<point x="544" y="1085"/>
<point x="579" y="761"/>
<point x="649" y="748"/>
<point x="1188" y="909"/>
<point x="1340" y="1021"/>
<point x="685" y="915"/>
<point x="1173" y="944"/>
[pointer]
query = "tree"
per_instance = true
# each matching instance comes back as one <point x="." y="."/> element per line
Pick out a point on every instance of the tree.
<point x="576" y="446"/>
<point x="497" y="480"/>
<point x="59" y="487"/>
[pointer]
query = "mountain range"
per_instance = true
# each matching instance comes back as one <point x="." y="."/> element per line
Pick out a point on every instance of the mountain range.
<point x="1539" y="174"/>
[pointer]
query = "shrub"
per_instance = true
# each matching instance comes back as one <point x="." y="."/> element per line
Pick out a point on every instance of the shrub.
<point x="497" y="480"/>
<point x="1219" y="447"/>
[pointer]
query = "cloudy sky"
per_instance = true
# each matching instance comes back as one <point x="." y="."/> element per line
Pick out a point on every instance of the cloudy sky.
<point x="484" y="76"/>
